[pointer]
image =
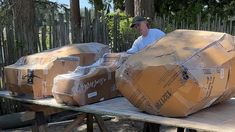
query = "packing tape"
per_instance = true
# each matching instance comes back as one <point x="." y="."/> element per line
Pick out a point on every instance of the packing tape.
<point x="19" y="78"/>
<point x="184" y="101"/>
<point x="109" y="73"/>
<point x="44" y="88"/>
<point x="222" y="73"/>
<point x="45" y="71"/>
<point x="210" y="102"/>
<point x="75" y="89"/>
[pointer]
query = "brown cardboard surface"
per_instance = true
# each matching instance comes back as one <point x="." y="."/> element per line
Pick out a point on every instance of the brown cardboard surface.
<point x="48" y="64"/>
<point x="89" y="84"/>
<point x="182" y="73"/>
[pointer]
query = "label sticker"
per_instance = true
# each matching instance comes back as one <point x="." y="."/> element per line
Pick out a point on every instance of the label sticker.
<point x="93" y="94"/>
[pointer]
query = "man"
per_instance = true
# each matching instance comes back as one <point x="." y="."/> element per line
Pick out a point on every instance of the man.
<point x="148" y="36"/>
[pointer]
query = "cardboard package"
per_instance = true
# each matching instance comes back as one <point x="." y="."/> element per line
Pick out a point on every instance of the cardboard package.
<point x="33" y="75"/>
<point x="89" y="84"/>
<point x="182" y="73"/>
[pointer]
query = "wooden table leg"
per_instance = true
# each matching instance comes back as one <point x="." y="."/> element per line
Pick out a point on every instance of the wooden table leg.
<point x="89" y="122"/>
<point x="101" y="123"/>
<point x="151" y="127"/>
<point x="40" y="123"/>
<point x="180" y="129"/>
<point x="75" y="123"/>
<point x="192" y="130"/>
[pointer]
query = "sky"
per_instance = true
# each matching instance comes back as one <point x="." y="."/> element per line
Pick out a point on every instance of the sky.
<point x="83" y="3"/>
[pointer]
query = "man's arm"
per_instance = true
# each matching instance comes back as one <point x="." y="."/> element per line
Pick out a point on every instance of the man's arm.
<point x="134" y="49"/>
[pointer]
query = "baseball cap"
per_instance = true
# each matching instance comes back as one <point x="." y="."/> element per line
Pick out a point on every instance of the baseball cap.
<point x="137" y="20"/>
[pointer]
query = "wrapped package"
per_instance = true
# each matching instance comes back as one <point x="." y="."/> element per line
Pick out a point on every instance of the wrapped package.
<point x="182" y="73"/>
<point x="33" y="75"/>
<point x="89" y="84"/>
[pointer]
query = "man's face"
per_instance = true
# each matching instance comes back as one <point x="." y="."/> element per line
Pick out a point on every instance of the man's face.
<point x="142" y="28"/>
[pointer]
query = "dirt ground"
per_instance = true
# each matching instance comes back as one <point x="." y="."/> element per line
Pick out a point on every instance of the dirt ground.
<point x="114" y="125"/>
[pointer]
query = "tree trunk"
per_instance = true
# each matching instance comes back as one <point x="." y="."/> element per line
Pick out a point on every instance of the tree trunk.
<point x="9" y="56"/>
<point x="129" y="7"/>
<point x="75" y="20"/>
<point x="143" y="8"/>
<point x="24" y="14"/>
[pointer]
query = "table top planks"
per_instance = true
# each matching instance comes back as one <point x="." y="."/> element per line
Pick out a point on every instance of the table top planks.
<point x="220" y="117"/>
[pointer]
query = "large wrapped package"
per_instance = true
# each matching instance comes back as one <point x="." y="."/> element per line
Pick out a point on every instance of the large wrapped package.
<point x="182" y="73"/>
<point x="33" y="75"/>
<point x="89" y="84"/>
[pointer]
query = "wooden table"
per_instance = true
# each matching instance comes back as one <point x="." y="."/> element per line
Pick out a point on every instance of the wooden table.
<point x="217" y="118"/>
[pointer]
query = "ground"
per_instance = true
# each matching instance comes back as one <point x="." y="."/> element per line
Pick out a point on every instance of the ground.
<point x="114" y="125"/>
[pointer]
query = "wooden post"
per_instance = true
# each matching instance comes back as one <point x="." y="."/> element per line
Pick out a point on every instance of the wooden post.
<point x="50" y="31"/>
<point x="15" y="120"/>
<point x="198" y="21"/>
<point x="62" y="29"/>
<point x="151" y="127"/>
<point x="208" y="23"/>
<point x="54" y="29"/>
<point x="219" y="25"/>
<point x="40" y="123"/>
<point x="1" y="63"/>
<point x="100" y="123"/>
<point x="67" y="40"/>
<point x="44" y="31"/>
<point x="230" y="26"/>
<point x="89" y="122"/>
<point x="77" y="121"/>
<point x="180" y="129"/>
<point x="103" y="29"/>
<point x="115" y="33"/>
<point x="215" y="26"/>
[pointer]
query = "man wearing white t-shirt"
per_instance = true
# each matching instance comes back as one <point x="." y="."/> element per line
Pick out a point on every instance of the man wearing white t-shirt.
<point x="148" y="36"/>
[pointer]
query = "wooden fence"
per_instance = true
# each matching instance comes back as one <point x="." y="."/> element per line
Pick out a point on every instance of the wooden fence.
<point x="54" y="31"/>
<point x="211" y="24"/>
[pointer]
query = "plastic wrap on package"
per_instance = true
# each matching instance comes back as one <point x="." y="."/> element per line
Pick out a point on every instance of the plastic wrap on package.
<point x="89" y="84"/>
<point x="182" y="73"/>
<point x="34" y="74"/>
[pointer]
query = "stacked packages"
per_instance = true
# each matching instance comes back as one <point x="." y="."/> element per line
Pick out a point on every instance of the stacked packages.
<point x="33" y="75"/>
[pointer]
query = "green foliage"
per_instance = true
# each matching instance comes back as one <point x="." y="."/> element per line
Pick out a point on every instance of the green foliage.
<point x="119" y="4"/>
<point x="189" y="9"/>
<point x="101" y="5"/>
<point x="169" y="28"/>
<point x="121" y="36"/>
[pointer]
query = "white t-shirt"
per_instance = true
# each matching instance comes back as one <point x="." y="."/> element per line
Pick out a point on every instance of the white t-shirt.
<point x="141" y="42"/>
